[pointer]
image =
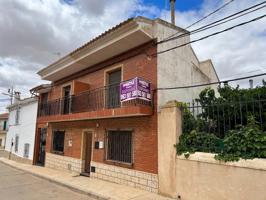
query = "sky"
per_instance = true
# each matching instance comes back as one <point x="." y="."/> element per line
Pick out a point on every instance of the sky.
<point x="35" y="33"/>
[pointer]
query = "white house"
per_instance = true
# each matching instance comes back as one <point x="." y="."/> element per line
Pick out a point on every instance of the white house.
<point x="22" y="125"/>
<point x="3" y="129"/>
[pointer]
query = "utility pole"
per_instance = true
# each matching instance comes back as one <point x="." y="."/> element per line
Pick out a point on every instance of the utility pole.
<point x="11" y="92"/>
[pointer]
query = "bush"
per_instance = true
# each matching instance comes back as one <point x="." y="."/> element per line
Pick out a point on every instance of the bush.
<point x="247" y="142"/>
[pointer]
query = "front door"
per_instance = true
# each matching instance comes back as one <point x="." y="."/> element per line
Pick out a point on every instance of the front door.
<point x="42" y="144"/>
<point x="88" y="150"/>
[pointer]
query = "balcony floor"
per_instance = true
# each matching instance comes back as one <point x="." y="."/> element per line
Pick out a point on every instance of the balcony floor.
<point x="131" y="111"/>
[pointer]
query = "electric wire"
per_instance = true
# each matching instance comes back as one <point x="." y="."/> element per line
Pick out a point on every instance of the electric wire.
<point x="208" y="36"/>
<point x="212" y="83"/>
<point x="211" y="25"/>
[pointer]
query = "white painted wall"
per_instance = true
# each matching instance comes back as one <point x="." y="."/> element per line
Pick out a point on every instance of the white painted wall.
<point x="25" y="129"/>
<point x="179" y="67"/>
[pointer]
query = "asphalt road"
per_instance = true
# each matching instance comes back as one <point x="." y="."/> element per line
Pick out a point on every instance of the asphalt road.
<point x="20" y="185"/>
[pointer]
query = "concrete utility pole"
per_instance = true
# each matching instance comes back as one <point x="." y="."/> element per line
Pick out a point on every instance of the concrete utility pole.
<point x="172" y="2"/>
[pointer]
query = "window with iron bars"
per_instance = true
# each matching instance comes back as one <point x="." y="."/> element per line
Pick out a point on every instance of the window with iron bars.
<point x="119" y="146"/>
<point x="16" y="143"/>
<point x="17" y="116"/>
<point x="26" y="150"/>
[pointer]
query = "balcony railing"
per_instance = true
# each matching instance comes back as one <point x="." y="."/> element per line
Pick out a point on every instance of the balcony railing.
<point x="92" y="100"/>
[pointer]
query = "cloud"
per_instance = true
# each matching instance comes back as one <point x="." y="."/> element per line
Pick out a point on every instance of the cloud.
<point x="34" y="32"/>
<point x="239" y="52"/>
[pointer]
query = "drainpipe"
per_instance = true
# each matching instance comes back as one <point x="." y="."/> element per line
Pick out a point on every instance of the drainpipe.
<point x="172" y="2"/>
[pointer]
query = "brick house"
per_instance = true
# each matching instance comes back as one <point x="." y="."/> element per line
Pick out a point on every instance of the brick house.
<point x="82" y="124"/>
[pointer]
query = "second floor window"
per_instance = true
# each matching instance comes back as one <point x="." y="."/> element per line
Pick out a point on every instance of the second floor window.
<point x="5" y="126"/>
<point x="17" y="116"/>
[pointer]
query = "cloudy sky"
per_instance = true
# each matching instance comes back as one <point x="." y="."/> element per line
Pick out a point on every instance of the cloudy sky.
<point x="34" y="33"/>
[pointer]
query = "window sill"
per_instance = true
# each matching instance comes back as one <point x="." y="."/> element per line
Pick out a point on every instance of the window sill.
<point x="119" y="164"/>
<point x="58" y="153"/>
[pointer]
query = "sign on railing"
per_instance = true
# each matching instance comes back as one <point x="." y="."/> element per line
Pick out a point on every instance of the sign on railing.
<point x="136" y="88"/>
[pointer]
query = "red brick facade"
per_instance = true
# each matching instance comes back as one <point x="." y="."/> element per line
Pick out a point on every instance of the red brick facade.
<point x="144" y="127"/>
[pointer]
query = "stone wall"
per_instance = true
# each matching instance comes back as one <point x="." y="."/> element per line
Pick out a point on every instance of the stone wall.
<point x="133" y="178"/>
<point x="64" y="163"/>
<point x="202" y="177"/>
<point x="6" y="154"/>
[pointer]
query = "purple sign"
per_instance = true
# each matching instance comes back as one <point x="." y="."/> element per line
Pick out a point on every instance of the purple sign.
<point x="136" y="88"/>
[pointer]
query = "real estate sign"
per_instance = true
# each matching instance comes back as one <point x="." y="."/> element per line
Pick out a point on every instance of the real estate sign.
<point x="136" y="88"/>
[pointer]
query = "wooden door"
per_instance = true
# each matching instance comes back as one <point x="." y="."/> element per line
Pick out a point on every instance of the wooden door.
<point x="88" y="151"/>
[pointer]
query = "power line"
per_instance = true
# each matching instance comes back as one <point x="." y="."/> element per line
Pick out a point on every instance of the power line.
<point x="211" y="35"/>
<point x="205" y="17"/>
<point x="212" y="83"/>
<point x="213" y="24"/>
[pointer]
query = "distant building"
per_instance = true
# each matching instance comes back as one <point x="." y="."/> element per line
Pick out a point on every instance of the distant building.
<point x="21" y="133"/>
<point x="3" y="129"/>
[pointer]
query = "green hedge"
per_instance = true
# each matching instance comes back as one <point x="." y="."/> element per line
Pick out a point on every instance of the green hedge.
<point x="246" y="142"/>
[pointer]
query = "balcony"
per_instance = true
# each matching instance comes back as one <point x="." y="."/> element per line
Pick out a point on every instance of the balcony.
<point x="93" y="104"/>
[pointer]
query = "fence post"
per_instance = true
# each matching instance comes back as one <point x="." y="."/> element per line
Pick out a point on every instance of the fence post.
<point x="169" y="130"/>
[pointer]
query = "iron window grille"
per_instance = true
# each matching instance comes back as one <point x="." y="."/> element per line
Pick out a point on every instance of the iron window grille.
<point x="16" y="143"/>
<point x="17" y="116"/>
<point x="26" y="150"/>
<point x="119" y="146"/>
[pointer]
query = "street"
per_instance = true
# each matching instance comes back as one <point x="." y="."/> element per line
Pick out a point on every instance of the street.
<point x="19" y="185"/>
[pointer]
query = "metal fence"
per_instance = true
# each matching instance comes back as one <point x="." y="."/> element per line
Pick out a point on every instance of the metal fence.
<point x="218" y="118"/>
<point x="97" y="99"/>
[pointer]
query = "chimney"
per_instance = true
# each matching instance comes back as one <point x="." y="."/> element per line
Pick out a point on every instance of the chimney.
<point x="250" y="83"/>
<point x="172" y="2"/>
<point x="16" y="97"/>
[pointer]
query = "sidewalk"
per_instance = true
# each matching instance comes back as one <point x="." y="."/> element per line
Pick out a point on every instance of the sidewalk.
<point x="93" y="187"/>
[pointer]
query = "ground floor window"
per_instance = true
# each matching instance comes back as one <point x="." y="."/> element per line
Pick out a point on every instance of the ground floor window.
<point x="119" y="146"/>
<point x="26" y="150"/>
<point x="58" y="141"/>
<point x="16" y="143"/>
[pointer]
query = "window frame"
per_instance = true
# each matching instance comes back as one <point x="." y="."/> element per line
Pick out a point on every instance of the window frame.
<point x="16" y="143"/>
<point x="52" y="145"/>
<point x="17" y="116"/>
<point x="132" y="147"/>
<point x="26" y="154"/>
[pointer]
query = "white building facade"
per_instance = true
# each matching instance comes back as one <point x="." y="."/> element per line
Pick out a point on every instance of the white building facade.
<point x="22" y="125"/>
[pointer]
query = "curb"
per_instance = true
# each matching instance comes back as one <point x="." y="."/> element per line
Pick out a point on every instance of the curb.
<point x="69" y="186"/>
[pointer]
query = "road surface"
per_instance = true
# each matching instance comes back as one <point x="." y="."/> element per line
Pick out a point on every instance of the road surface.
<point x="19" y="185"/>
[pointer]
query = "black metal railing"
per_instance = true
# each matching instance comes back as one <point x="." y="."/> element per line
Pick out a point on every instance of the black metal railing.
<point x="92" y="100"/>
<point x="218" y="118"/>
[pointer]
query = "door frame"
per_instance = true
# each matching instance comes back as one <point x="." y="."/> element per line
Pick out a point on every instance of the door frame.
<point x="84" y="145"/>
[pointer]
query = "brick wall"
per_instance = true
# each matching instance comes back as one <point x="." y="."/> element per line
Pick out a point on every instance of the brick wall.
<point x="138" y="65"/>
<point x="144" y="139"/>
<point x="145" y="128"/>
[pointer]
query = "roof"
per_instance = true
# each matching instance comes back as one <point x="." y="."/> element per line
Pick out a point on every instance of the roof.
<point x="23" y="102"/>
<point x="41" y="88"/>
<point x="103" y="39"/>
<point x="4" y="116"/>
